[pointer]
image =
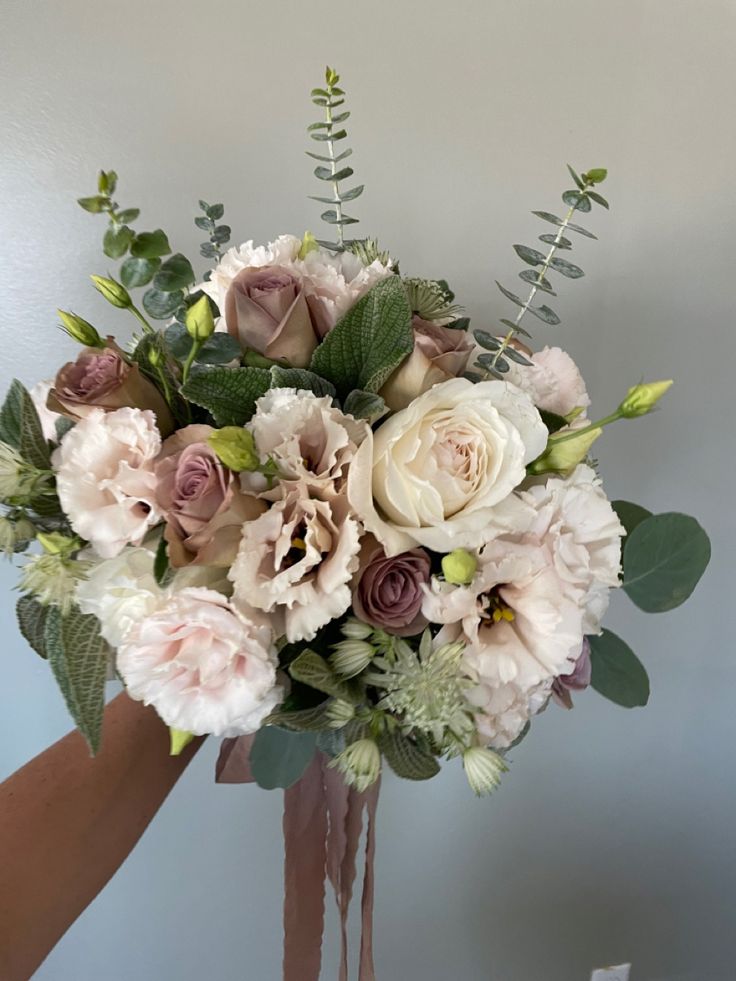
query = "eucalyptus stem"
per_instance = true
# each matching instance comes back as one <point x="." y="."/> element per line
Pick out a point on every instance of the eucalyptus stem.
<point x="333" y="167"/>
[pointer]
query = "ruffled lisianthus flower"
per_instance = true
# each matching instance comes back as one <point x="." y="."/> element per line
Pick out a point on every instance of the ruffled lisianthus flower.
<point x="296" y="561"/>
<point x="575" y="520"/>
<point x="388" y="593"/>
<point x="441" y="472"/>
<point x="48" y="419"/>
<point x="553" y="382"/>
<point x="331" y="283"/>
<point x="105" y="478"/>
<point x="309" y="439"/>
<point x="201" y="500"/>
<point x="205" y="666"/>
<point x="521" y="629"/>
<point x="577" y="680"/>
<point x="439" y="353"/>
<point x="106" y="379"/>
<point x="121" y="592"/>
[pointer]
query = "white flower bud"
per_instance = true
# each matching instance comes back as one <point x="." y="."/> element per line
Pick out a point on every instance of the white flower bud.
<point x="483" y="768"/>
<point x="351" y="657"/>
<point x="356" y="630"/>
<point x="359" y="763"/>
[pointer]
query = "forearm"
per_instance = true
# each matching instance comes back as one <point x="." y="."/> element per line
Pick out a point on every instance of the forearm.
<point x="67" y="823"/>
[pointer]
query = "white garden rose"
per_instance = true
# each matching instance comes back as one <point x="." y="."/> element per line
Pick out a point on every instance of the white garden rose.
<point x="575" y="520"/>
<point x="307" y="436"/>
<point x="206" y="667"/>
<point x="296" y="561"/>
<point x="441" y="472"/>
<point x="105" y="478"/>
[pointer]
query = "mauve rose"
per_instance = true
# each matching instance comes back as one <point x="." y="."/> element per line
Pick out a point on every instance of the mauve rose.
<point x="577" y="680"/>
<point x="104" y="379"/>
<point x="201" y="500"/>
<point x="389" y="593"/>
<point x="266" y="310"/>
<point x="439" y="353"/>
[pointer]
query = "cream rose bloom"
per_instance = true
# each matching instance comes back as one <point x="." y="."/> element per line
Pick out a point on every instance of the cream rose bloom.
<point x="553" y="381"/>
<point x="575" y="520"/>
<point x="441" y="472"/>
<point x="206" y="667"/>
<point x="296" y="561"/>
<point x="105" y="478"/>
<point x="309" y="438"/>
<point x="521" y="629"/>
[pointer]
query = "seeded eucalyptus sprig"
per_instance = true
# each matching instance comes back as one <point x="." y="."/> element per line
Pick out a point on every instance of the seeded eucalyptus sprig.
<point x="578" y="198"/>
<point x="329" y="132"/>
<point x="218" y="234"/>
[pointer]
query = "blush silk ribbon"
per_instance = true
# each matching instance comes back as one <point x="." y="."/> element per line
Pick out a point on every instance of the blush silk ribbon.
<point x="323" y="823"/>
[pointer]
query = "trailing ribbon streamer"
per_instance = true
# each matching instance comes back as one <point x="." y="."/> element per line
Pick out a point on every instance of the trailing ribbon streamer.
<point x="323" y="822"/>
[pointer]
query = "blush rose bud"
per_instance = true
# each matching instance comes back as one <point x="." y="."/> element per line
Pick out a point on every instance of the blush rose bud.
<point x="114" y="293"/>
<point x="235" y="448"/>
<point x="458" y="567"/>
<point x="79" y="329"/>
<point x="199" y="321"/>
<point x="642" y="398"/>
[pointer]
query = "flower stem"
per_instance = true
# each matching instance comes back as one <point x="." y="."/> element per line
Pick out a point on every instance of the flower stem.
<point x="573" y="434"/>
<point x="141" y="319"/>
<point x="186" y="367"/>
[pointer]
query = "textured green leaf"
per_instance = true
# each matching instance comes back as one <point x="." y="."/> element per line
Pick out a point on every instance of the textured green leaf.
<point x="303" y="720"/>
<point x="365" y="405"/>
<point x="229" y="394"/>
<point x="78" y="657"/>
<point x="630" y="515"/>
<point x="617" y="673"/>
<point x="161" y="305"/>
<point x="116" y="240"/>
<point x="406" y="759"/>
<point x="278" y="758"/>
<point x="32" y="623"/>
<point x="565" y="268"/>
<point x="546" y="216"/>
<point x="664" y="558"/>
<point x="313" y="670"/>
<point x="175" y="274"/>
<point x="150" y="245"/>
<point x="369" y="342"/>
<point x="532" y="256"/>
<point x="138" y="272"/>
<point x="300" y="378"/>
<point x="20" y="427"/>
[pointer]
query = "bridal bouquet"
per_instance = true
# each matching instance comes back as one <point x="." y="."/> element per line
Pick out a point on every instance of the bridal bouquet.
<point x="317" y="507"/>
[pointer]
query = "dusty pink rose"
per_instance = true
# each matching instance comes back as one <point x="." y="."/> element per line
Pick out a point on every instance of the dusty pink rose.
<point x="105" y="379"/>
<point x="577" y="680"/>
<point x="389" y="591"/>
<point x="266" y="310"/>
<point x="201" y="500"/>
<point x="439" y="353"/>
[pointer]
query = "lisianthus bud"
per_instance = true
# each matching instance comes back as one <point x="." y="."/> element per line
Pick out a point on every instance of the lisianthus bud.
<point x="236" y="448"/>
<point x="339" y="713"/>
<point x="113" y="292"/>
<point x="350" y="657"/>
<point x="564" y="455"/>
<point x="178" y="741"/>
<point x="359" y="763"/>
<point x="483" y="768"/>
<point x="79" y="329"/>
<point x="458" y="567"/>
<point x="309" y="244"/>
<point x="199" y="321"/>
<point x="642" y="398"/>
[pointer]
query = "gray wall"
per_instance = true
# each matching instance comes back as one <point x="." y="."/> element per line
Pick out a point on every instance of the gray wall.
<point x="612" y="838"/>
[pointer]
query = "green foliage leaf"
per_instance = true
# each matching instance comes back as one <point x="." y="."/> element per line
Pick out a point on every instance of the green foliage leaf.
<point x="20" y="427"/>
<point x="532" y="276"/>
<point x="229" y="394"/>
<point x="150" y="245"/>
<point x="617" y="673"/>
<point x="78" y="657"/>
<point x="365" y="405"/>
<point x="551" y="239"/>
<point x="128" y="215"/>
<point x="596" y="176"/>
<point x="95" y="204"/>
<point x="138" y="272"/>
<point x="576" y="178"/>
<point x="32" y="623"/>
<point x="546" y="216"/>
<point x="630" y="515"/>
<point x="552" y="421"/>
<point x="566" y="268"/>
<point x="313" y="670"/>
<point x="545" y="314"/>
<point x="175" y="274"/>
<point x="406" y="759"/>
<point x="302" y="720"/>
<point x="598" y="198"/>
<point x="278" y="758"/>
<point x="369" y="342"/>
<point x="486" y="340"/>
<point x="161" y="305"/>
<point x="300" y="378"/>
<point x="664" y="558"/>
<point x="577" y="200"/>
<point x="116" y="240"/>
<point x="532" y="256"/>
